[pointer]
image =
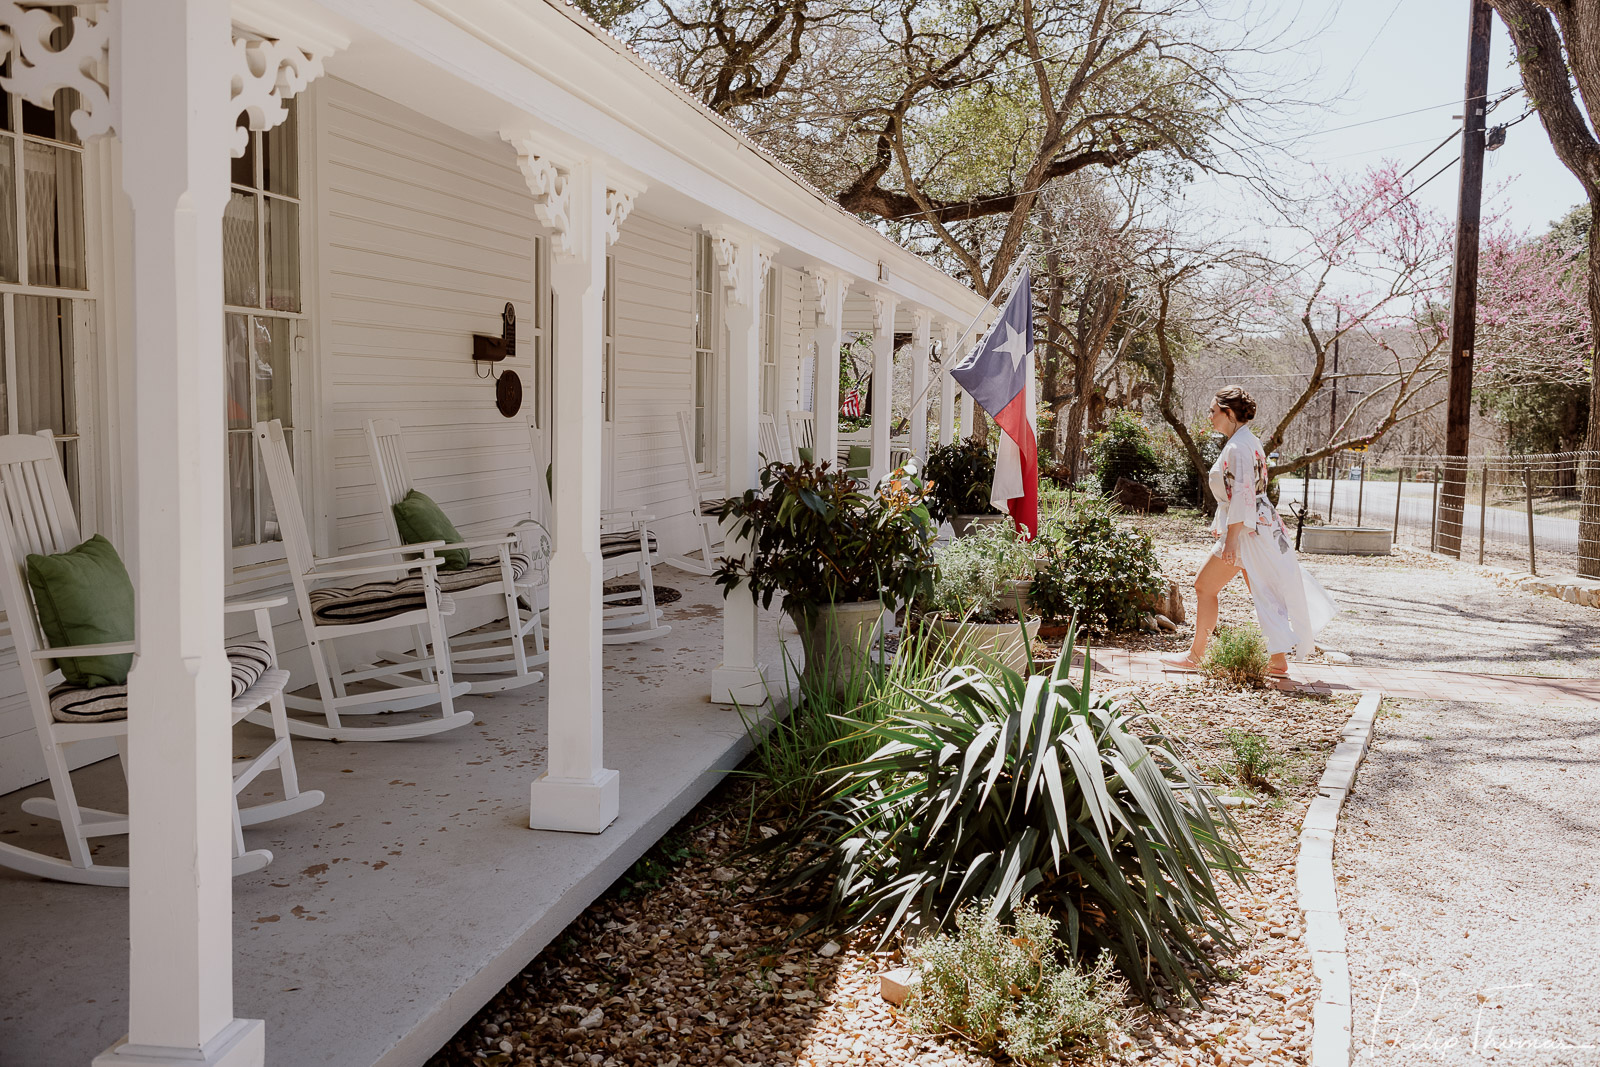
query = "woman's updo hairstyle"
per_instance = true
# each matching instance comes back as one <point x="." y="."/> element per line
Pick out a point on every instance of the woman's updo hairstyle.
<point x="1240" y="403"/>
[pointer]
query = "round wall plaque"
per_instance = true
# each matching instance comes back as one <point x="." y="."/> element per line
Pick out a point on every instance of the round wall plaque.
<point x="508" y="393"/>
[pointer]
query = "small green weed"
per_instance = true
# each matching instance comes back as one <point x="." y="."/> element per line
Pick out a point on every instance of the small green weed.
<point x="655" y="868"/>
<point x="1014" y="989"/>
<point x="1237" y="655"/>
<point x="1253" y="758"/>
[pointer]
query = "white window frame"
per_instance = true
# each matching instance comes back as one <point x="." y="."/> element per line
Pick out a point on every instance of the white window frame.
<point x="536" y="336"/>
<point x="300" y="371"/>
<point x="81" y="471"/>
<point x="707" y="367"/>
<point x="770" y="343"/>
<point x="608" y="334"/>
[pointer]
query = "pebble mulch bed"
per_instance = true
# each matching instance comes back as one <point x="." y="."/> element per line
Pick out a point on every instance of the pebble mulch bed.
<point x="682" y="963"/>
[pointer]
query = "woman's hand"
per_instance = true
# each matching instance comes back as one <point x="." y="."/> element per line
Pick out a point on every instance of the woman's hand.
<point x="1230" y="547"/>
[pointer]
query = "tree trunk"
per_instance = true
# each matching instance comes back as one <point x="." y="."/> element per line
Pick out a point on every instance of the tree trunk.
<point x="1049" y="444"/>
<point x="1589" y="511"/>
<point x="1082" y="380"/>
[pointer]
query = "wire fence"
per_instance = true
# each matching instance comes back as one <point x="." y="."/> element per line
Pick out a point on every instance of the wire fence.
<point x="1505" y="511"/>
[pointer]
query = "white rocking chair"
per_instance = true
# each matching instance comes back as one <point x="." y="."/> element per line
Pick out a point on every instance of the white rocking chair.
<point x="803" y="434"/>
<point x="627" y="547"/>
<point x="493" y="661"/>
<point x="708" y="531"/>
<point x="771" y="450"/>
<point x="36" y="517"/>
<point x="329" y="613"/>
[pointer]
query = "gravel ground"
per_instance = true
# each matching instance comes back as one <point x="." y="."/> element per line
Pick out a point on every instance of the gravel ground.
<point x="1411" y="609"/>
<point x="1470" y="886"/>
<point x="682" y="963"/>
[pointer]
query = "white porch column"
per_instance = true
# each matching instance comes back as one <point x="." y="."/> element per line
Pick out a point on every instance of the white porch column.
<point x="949" y="336"/>
<point x="921" y="339"/>
<point x="576" y="792"/>
<point x="174" y="64"/>
<point x="744" y="261"/>
<point x="883" y="307"/>
<point x="831" y="286"/>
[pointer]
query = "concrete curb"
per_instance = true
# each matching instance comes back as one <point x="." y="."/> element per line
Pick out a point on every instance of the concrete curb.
<point x="1332" y="1031"/>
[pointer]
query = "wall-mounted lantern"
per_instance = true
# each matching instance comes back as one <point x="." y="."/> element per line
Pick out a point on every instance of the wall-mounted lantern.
<point x="491" y="350"/>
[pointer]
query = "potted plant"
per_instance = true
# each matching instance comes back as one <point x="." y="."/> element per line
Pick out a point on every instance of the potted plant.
<point x="979" y="591"/>
<point x="836" y="552"/>
<point x="1093" y="568"/>
<point x="959" y="478"/>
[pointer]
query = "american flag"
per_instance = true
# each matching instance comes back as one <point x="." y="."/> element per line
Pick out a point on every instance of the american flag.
<point x="851" y="407"/>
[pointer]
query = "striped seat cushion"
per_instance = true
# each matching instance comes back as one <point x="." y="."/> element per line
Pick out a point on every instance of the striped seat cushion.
<point x="351" y="605"/>
<point x="704" y="504"/>
<point x="613" y="545"/>
<point x="247" y="660"/>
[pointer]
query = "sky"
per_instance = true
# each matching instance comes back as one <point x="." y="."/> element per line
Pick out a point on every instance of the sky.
<point x="1393" y="73"/>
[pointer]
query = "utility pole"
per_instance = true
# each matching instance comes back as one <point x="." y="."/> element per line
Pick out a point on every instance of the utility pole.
<point x="1464" y="290"/>
<point x="1333" y="406"/>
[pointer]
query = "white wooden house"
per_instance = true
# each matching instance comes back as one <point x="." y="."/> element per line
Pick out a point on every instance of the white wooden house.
<point x="303" y="210"/>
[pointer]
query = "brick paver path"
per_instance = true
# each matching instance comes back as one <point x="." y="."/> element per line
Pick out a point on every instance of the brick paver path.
<point x="1394" y="681"/>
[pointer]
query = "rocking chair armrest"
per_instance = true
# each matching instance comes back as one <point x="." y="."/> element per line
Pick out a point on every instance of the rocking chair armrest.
<point x="258" y="604"/>
<point x="115" y="648"/>
<point x="420" y="562"/>
<point x="392" y="550"/>
<point x="485" y="542"/>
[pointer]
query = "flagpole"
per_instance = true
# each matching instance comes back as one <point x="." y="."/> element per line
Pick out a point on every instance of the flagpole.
<point x="1003" y="287"/>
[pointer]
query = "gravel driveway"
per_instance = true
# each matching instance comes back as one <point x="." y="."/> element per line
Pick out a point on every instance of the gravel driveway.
<point x="1469" y="868"/>
<point x="1415" y="611"/>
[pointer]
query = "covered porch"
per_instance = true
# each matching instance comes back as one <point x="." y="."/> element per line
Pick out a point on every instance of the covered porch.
<point x="395" y="910"/>
<point x="408" y="170"/>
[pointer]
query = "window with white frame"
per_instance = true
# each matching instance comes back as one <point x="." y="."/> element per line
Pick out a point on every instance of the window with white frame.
<point x="534" y="336"/>
<point x="770" y="340"/>
<point x="44" y="277"/>
<point x="265" y="326"/>
<point x="706" y="406"/>
<point x="608" y="367"/>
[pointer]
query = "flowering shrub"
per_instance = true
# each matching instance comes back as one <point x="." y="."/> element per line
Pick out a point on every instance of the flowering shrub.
<point x="1093" y="566"/>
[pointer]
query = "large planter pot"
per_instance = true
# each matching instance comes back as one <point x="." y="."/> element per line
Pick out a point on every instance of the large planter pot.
<point x="965" y="524"/>
<point x="977" y="642"/>
<point x="840" y="643"/>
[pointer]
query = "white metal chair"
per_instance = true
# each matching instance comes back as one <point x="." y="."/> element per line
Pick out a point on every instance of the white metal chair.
<point x="36" y="517"/>
<point x="771" y="450"/>
<point x="329" y="613"/>
<point x="803" y="434"/>
<point x="708" y="531"/>
<point x="493" y="659"/>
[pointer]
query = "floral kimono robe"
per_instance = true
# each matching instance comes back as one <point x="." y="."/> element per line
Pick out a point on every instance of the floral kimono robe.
<point x="1290" y="603"/>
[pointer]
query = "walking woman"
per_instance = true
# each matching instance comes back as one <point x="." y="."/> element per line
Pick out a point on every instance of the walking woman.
<point x="1291" y="604"/>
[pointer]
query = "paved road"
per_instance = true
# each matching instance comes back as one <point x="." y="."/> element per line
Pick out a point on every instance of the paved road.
<point x="1377" y="509"/>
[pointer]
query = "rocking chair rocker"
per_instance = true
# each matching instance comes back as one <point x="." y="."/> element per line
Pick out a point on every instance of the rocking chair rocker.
<point x="36" y="516"/>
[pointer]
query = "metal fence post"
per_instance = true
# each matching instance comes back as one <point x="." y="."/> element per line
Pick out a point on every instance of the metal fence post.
<point x="1399" y="491"/>
<point x="1333" y="481"/>
<point x="1433" y="523"/>
<point x="1527" y="481"/>
<point x="1305" y="487"/>
<point x="1483" y="512"/>
<point x="1361" y="490"/>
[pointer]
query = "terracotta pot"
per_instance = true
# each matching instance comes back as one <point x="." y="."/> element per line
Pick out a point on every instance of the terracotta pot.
<point x="840" y="642"/>
<point x="976" y="642"/>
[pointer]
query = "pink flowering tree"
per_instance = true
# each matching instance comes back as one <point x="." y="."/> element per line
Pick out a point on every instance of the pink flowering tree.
<point x="1374" y="264"/>
<point x="1533" y="312"/>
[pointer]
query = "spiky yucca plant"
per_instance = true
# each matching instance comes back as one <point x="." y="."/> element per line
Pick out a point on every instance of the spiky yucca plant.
<point x="1002" y="788"/>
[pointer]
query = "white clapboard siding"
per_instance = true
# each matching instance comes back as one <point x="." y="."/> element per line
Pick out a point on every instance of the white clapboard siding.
<point x="654" y="344"/>
<point x="425" y="234"/>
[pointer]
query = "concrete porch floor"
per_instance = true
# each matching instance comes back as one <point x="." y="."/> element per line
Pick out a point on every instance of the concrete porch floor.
<point x="395" y="910"/>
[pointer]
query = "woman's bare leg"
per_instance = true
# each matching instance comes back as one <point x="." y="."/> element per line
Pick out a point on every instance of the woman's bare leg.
<point x="1211" y="580"/>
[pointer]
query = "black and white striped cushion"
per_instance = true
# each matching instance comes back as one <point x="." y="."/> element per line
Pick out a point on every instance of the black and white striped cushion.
<point x="613" y="545"/>
<point x="350" y="605"/>
<point x="247" y="662"/>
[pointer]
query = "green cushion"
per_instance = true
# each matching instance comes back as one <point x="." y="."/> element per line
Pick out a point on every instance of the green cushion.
<point x="84" y="597"/>
<point x="859" y="459"/>
<point x="805" y="454"/>
<point x="420" y="519"/>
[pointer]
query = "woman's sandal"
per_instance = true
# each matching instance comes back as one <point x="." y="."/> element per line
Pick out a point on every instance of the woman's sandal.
<point x="1179" y="663"/>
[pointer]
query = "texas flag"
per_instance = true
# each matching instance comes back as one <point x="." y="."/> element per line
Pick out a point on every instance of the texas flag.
<point x="999" y="378"/>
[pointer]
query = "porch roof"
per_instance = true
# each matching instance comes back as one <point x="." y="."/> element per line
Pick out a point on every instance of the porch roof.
<point x="544" y="62"/>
